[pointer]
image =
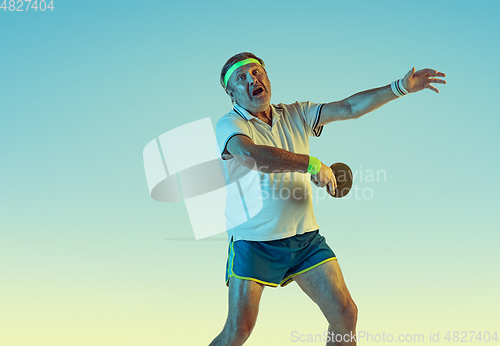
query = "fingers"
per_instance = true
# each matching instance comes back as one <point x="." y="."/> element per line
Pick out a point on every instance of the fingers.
<point x="435" y="80"/>
<point x="425" y="78"/>
<point x="433" y="88"/>
<point x="314" y="181"/>
<point x="330" y="188"/>
<point x="325" y="178"/>
<point x="317" y="183"/>
<point x="333" y="184"/>
<point x="432" y="73"/>
<point x="321" y="184"/>
<point x="408" y="75"/>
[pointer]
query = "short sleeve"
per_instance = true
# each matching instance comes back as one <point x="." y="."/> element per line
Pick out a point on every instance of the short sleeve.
<point x="310" y="113"/>
<point x="227" y="127"/>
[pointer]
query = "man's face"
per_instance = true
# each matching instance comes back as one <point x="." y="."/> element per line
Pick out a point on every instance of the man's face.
<point x="250" y="88"/>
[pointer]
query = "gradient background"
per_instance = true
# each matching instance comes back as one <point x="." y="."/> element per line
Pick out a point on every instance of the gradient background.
<point x="84" y="255"/>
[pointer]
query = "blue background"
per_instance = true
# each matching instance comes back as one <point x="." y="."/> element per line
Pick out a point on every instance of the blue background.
<point x="84" y="255"/>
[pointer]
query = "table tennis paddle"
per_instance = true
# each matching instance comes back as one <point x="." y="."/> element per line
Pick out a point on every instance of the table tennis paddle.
<point x="343" y="176"/>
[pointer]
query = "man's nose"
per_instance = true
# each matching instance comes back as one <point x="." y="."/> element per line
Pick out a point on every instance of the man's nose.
<point x="252" y="79"/>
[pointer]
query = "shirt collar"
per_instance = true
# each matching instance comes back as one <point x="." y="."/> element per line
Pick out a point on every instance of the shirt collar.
<point x="247" y="116"/>
<point x="242" y="112"/>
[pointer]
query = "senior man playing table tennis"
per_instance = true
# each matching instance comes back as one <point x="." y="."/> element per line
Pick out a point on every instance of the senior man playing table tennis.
<point x="281" y="243"/>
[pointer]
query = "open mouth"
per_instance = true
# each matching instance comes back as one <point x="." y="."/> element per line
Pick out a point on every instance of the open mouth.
<point x="257" y="91"/>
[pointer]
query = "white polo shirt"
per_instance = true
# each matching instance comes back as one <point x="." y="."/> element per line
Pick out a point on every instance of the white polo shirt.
<point x="269" y="206"/>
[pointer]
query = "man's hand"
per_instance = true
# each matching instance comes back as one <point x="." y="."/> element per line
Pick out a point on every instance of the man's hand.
<point x="422" y="79"/>
<point x="325" y="177"/>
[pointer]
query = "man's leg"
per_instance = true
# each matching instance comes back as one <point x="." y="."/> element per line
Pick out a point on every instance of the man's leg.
<point x="326" y="287"/>
<point x="244" y="298"/>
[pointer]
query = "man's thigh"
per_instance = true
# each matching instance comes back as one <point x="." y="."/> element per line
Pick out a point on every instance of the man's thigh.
<point x="325" y="285"/>
<point x="244" y="299"/>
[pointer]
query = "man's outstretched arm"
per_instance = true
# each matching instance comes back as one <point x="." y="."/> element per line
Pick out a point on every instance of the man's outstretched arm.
<point x="366" y="101"/>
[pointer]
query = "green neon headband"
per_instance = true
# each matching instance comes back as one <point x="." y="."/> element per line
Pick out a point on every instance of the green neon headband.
<point x="236" y="65"/>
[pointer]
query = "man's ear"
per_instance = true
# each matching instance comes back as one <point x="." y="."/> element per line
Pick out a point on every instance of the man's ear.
<point x="230" y="93"/>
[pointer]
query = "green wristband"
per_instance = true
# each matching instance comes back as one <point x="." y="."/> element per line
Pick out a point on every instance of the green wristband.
<point x="314" y="165"/>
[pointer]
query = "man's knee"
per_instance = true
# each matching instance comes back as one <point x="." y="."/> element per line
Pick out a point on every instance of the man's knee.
<point x="243" y="331"/>
<point x="238" y="334"/>
<point x="352" y="311"/>
<point x="346" y="313"/>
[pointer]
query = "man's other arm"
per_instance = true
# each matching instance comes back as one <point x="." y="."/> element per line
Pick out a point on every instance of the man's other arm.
<point x="268" y="159"/>
<point x="275" y="160"/>
<point x="356" y="105"/>
<point x="366" y="101"/>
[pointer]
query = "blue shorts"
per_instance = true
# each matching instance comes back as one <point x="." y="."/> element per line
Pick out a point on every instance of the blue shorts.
<point x="276" y="262"/>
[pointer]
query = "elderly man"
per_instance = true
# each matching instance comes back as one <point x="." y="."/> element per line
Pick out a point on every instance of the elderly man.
<point x="281" y="243"/>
